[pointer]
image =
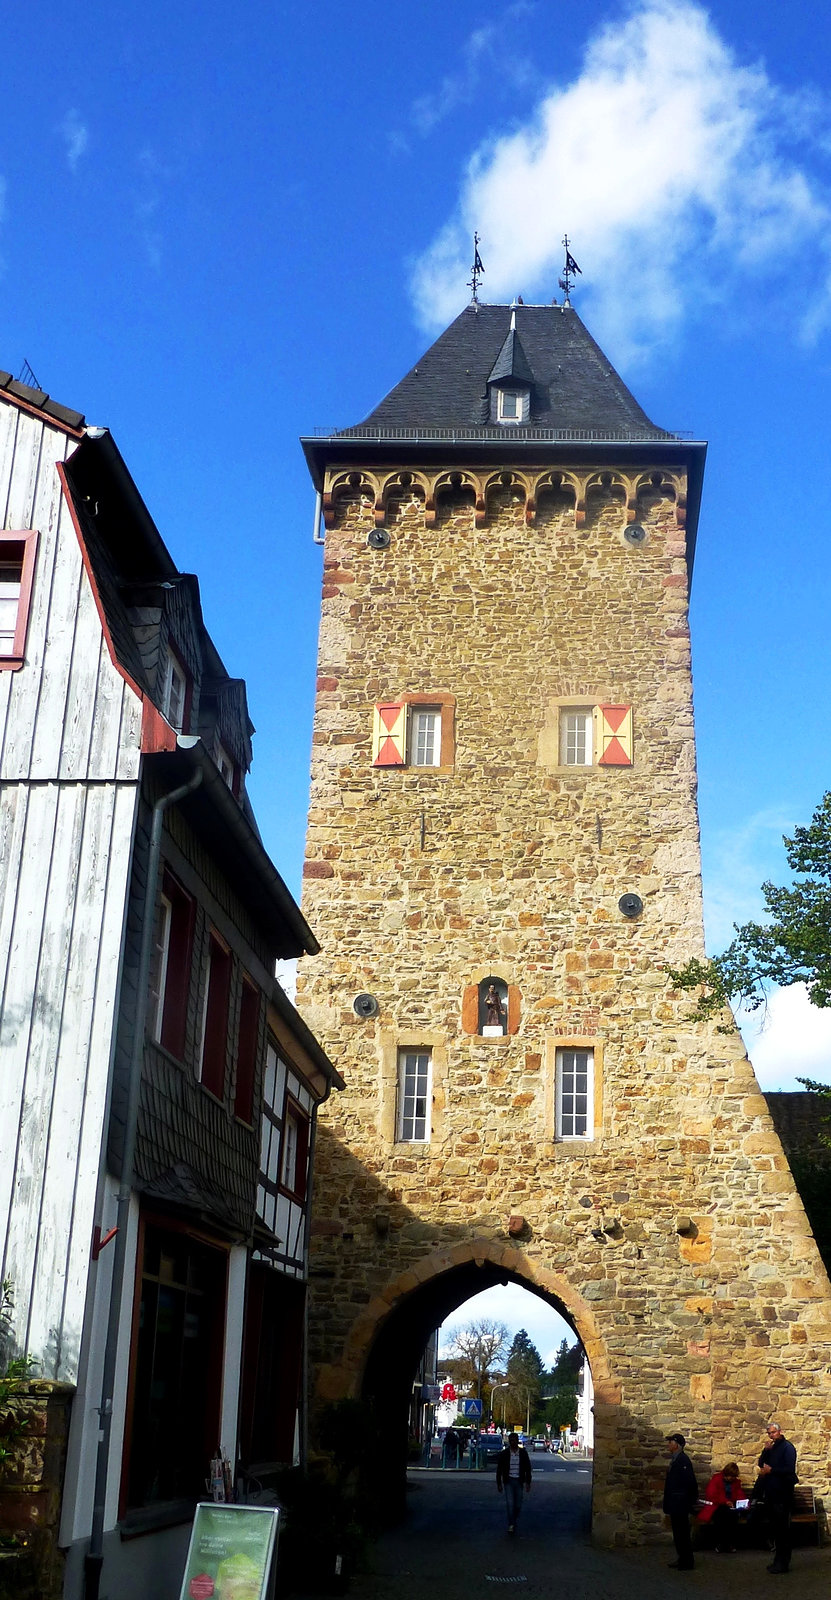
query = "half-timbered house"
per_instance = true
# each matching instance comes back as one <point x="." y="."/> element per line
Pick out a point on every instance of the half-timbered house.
<point x="158" y="1089"/>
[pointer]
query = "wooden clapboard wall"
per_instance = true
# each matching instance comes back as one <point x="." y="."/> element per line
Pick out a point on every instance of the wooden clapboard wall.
<point x="69" y="763"/>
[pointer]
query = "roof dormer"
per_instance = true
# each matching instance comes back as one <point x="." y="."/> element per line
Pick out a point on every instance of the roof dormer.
<point x="510" y="381"/>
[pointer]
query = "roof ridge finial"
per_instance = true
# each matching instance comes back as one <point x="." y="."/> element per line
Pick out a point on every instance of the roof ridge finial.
<point x="568" y="272"/>
<point x="476" y="272"/>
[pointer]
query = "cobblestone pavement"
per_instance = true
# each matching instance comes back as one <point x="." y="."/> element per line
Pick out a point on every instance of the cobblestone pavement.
<point x="454" y="1546"/>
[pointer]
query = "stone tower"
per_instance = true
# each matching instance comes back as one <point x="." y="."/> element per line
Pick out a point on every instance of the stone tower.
<point x="502" y="859"/>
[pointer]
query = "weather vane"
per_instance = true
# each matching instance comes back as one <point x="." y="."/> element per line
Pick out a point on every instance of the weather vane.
<point x="568" y="272"/>
<point x="477" y="270"/>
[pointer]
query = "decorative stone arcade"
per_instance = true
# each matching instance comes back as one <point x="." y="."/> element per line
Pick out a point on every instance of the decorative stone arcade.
<point x="502" y="860"/>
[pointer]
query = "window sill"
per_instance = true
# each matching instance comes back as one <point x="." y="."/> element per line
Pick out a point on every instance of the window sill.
<point x="11" y="663"/>
<point x="151" y="1519"/>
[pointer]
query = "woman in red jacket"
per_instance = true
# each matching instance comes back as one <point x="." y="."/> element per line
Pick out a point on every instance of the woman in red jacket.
<point x="719" y="1508"/>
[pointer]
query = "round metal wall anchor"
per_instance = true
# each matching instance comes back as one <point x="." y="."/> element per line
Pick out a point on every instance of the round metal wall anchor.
<point x="378" y="538"/>
<point x="365" y="1005"/>
<point x="635" y="533"/>
<point x="630" y="904"/>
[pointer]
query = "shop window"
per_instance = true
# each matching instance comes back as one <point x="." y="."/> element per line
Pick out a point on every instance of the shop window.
<point x="17" y="563"/>
<point x="174" y="957"/>
<point x="176" y="1368"/>
<point x="215" y="1016"/>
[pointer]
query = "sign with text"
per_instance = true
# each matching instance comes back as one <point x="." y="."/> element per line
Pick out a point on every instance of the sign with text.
<point x="230" y="1553"/>
<point x="473" y="1408"/>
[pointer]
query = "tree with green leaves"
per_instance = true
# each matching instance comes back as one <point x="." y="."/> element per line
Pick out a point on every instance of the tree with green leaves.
<point x="523" y="1373"/>
<point x="793" y="946"/>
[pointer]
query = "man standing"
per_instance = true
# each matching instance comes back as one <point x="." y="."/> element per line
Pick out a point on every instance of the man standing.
<point x="680" y="1495"/>
<point x="777" y="1477"/>
<point x="513" y="1470"/>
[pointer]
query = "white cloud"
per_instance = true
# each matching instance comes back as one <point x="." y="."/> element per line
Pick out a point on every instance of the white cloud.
<point x="485" y="45"/>
<point x="75" y="135"/>
<point x="791" y="1039"/>
<point x="671" y="167"/>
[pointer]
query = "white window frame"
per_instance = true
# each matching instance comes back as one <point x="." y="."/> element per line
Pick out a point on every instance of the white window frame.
<point x="573" y="739"/>
<point x="415" y="1067"/>
<point x="522" y="406"/>
<point x="175" y="692"/>
<point x="566" y="1113"/>
<point x="163" y="948"/>
<point x="429" y="717"/>
<point x="225" y="763"/>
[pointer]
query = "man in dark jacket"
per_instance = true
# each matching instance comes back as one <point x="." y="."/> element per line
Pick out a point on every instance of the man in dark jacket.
<point x="777" y="1476"/>
<point x="680" y="1495"/>
<point x="513" y="1470"/>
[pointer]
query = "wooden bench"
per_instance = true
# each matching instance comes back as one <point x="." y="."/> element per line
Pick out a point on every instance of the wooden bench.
<point x="804" y="1513"/>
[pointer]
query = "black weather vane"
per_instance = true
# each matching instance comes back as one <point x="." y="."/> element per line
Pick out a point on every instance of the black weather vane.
<point x="569" y="270"/>
<point x="477" y="271"/>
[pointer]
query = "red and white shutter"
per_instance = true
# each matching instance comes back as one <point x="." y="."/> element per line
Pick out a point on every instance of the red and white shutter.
<point x="389" y="734"/>
<point x="614" y="742"/>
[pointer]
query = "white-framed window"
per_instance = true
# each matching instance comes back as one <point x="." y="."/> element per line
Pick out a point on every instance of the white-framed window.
<point x="415" y="1077"/>
<point x="575" y="1094"/>
<point x="225" y="763"/>
<point x="162" y="957"/>
<point x="425" y="736"/>
<point x="576" y="741"/>
<point x="174" y="692"/>
<point x="17" y="556"/>
<point x="512" y="405"/>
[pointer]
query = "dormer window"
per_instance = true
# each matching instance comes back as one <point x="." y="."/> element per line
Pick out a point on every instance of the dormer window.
<point x="511" y="405"/>
<point x="227" y="767"/>
<point x="174" y="692"/>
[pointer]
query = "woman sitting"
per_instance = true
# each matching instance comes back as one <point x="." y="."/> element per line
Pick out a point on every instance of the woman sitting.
<point x="719" y="1508"/>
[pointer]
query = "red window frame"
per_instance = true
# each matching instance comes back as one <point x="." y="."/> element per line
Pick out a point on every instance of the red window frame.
<point x="215" y="1016"/>
<point x="28" y="538"/>
<point x="248" y="1035"/>
<point x="174" y="979"/>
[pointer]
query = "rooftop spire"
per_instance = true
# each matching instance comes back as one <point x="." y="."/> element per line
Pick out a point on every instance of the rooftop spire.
<point x="568" y="272"/>
<point x="477" y="271"/>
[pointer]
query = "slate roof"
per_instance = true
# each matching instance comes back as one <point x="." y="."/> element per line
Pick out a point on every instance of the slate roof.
<point x="574" y="386"/>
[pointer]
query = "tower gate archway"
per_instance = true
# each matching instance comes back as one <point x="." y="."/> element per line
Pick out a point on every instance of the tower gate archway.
<point x="385" y="1344"/>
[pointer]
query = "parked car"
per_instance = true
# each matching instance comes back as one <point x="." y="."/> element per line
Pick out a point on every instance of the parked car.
<point x="540" y="1442"/>
<point x="490" y="1444"/>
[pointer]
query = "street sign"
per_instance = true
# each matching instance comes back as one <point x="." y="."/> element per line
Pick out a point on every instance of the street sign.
<point x="473" y="1408"/>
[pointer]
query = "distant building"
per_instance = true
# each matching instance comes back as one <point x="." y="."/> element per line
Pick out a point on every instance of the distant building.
<point x="141" y="1019"/>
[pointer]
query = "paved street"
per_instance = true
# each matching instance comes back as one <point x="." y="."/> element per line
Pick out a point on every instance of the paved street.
<point x="453" y="1546"/>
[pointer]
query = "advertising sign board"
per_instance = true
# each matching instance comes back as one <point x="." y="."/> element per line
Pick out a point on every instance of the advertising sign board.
<point x="231" y="1552"/>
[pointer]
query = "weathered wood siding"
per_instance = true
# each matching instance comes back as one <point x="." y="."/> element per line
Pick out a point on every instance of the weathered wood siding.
<point x="69" y="761"/>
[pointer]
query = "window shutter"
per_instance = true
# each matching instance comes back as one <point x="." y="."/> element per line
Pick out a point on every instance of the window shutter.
<point x="614" y="745"/>
<point x="389" y="734"/>
<point x="470" y="1008"/>
<point x="513" y="1007"/>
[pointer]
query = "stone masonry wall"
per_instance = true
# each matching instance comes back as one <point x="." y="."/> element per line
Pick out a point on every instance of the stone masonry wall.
<point x="703" y="1303"/>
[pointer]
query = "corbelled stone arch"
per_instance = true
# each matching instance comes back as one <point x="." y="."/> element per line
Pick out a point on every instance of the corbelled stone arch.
<point x="504" y="486"/>
<point x="399" y="488"/>
<point x="461" y="487"/>
<point x="352" y="484"/>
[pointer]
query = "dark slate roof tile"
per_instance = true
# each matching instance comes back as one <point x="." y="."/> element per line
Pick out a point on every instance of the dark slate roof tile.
<point x="574" y="385"/>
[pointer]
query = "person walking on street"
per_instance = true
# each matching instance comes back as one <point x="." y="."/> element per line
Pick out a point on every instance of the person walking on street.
<point x="777" y="1477"/>
<point x="513" y="1472"/>
<point x="680" y="1495"/>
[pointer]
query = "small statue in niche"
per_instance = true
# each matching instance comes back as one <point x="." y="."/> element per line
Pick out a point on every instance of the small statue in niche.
<point x="494" y="1009"/>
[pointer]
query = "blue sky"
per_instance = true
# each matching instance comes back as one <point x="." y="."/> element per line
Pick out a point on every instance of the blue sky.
<point x="221" y="230"/>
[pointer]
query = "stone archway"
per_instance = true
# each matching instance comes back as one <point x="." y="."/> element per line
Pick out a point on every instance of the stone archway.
<point x="386" y="1340"/>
